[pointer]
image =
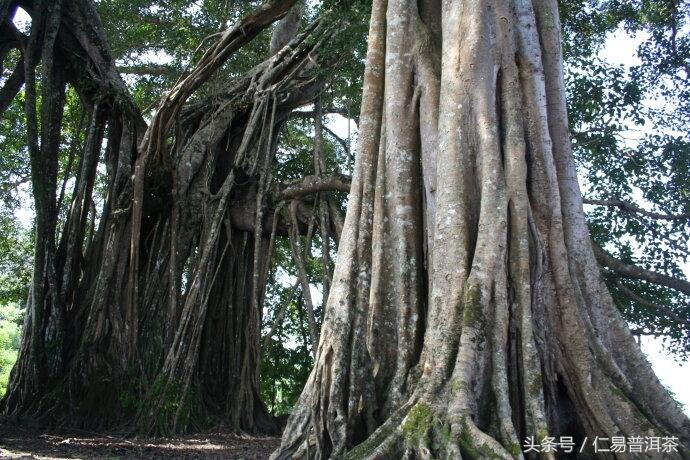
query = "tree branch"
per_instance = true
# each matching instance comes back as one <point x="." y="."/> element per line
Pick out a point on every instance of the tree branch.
<point x="632" y="271"/>
<point x="12" y="86"/>
<point x="646" y="303"/>
<point x="629" y="207"/>
<point x="305" y="114"/>
<point x="16" y="80"/>
<point x="278" y="318"/>
<point x="148" y="69"/>
<point x="339" y="139"/>
<point x="326" y="111"/>
<point x="7" y="186"/>
<point x="313" y="184"/>
<point x="640" y="331"/>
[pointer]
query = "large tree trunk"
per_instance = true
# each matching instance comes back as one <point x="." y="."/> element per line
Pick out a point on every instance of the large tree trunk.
<point x="163" y="303"/>
<point x="69" y="38"/>
<point x="467" y="310"/>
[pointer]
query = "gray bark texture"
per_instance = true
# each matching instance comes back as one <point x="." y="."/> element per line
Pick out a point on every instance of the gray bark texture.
<point x="467" y="310"/>
<point x="286" y="29"/>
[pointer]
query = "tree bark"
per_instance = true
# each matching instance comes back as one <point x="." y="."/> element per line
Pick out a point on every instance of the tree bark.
<point x="467" y="310"/>
<point x="286" y="29"/>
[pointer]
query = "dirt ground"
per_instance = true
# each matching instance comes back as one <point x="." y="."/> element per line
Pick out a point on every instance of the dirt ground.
<point x="19" y="442"/>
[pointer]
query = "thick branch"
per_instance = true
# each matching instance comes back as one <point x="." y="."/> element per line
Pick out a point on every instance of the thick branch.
<point x="172" y="102"/>
<point x="242" y="212"/>
<point x="16" y="80"/>
<point x="326" y="111"/>
<point x="12" y="86"/>
<point x="313" y="184"/>
<point x="286" y="29"/>
<point x="629" y="207"/>
<point x="646" y="303"/>
<point x="337" y="218"/>
<point x="632" y="271"/>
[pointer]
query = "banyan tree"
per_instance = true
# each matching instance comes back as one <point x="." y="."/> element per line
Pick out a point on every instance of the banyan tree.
<point x="467" y="310"/>
<point x="147" y="315"/>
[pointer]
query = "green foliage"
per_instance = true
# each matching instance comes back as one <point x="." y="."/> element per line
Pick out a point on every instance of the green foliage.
<point x="675" y="398"/>
<point x="632" y="143"/>
<point x="344" y="88"/>
<point x="16" y="242"/>
<point x="286" y="358"/>
<point x="171" y="35"/>
<point x="11" y="317"/>
<point x="16" y="247"/>
<point x="14" y="167"/>
<point x="284" y="369"/>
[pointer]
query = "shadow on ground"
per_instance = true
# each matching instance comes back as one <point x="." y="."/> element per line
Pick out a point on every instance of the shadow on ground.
<point x="21" y="442"/>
